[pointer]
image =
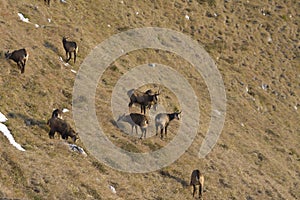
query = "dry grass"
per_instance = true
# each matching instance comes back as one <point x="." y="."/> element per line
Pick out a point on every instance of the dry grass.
<point x="252" y="43"/>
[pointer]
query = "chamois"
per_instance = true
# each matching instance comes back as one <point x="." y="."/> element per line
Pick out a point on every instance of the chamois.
<point x="61" y="126"/>
<point x="162" y="121"/>
<point x="135" y="120"/>
<point x="19" y="56"/>
<point x="70" y="47"/>
<point x="144" y="99"/>
<point x="197" y="178"/>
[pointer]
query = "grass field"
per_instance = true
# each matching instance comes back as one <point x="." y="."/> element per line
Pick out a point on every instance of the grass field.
<point x="253" y="43"/>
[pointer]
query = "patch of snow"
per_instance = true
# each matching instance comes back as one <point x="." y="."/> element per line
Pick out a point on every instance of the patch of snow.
<point x="10" y="138"/>
<point x="72" y="70"/>
<point x="77" y="149"/>
<point x="37" y="26"/>
<point x="112" y="189"/>
<point x="187" y="17"/>
<point x="49" y="20"/>
<point x="152" y="65"/>
<point x="2" y="117"/>
<point x="63" y="1"/>
<point x="137" y="13"/>
<point x="264" y="86"/>
<point x="61" y="59"/>
<point x="108" y="25"/>
<point x="22" y="18"/>
<point x="269" y="39"/>
<point x="65" y="110"/>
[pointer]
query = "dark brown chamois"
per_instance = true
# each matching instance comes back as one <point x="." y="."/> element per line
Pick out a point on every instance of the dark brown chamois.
<point x="144" y="99"/>
<point x="19" y="56"/>
<point x="62" y="127"/>
<point x="197" y="178"/>
<point x="162" y="121"/>
<point x="70" y="47"/>
<point x="135" y="120"/>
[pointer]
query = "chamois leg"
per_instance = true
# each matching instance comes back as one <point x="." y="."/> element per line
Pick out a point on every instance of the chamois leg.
<point x="130" y="104"/>
<point x="200" y="191"/>
<point x="66" y="56"/>
<point x="74" y="57"/>
<point x="132" y="129"/>
<point x="156" y="129"/>
<point x="143" y="109"/>
<point x="70" y="56"/>
<point x="51" y="134"/>
<point x="143" y="133"/>
<point x="166" y="130"/>
<point x="20" y="65"/>
<point x="161" y="133"/>
<point x="194" y="190"/>
<point x="23" y="67"/>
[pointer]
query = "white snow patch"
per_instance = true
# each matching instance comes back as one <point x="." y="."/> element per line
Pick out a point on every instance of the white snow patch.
<point x="22" y="18"/>
<point x="61" y="59"/>
<point x="152" y="65"/>
<point x="10" y="138"/>
<point x="65" y="110"/>
<point x="112" y="189"/>
<point x="187" y="17"/>
<point x="72" y="70"/>
<point x="2" y="117"/>
<point x="77" y="149"/>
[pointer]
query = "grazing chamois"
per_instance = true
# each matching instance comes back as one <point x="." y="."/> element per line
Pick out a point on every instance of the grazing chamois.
<point x="70" y="47"/>
<point x="197" y="178"/>
<point x="135" y="120"/>
<point x="62" y="127"/>
<point x="162" y="121"/>
<point x="144" y="99"/>
<point x="19" y="56"/>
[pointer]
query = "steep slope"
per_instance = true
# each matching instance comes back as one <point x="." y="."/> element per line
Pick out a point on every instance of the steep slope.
<point x="256" y="47"/>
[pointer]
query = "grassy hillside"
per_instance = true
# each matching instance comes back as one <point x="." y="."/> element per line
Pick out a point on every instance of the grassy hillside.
<point x="253" y="43"/>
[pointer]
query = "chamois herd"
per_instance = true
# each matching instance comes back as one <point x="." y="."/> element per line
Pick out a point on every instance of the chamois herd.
<point x="144" y="99"/>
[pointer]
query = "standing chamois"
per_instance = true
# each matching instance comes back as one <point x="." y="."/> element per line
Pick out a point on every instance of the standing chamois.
<point x="70" y="47"/>
<point x="144" y="99"/>
<point x="135" y="120"/>
<point x="197" y="178"/>
<point x="20" y="57"/>
<point x="162" y="121"/>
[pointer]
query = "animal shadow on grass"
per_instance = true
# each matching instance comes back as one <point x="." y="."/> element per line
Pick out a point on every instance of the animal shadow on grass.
<point x="28" y="121"/>
<point x="120" y="126"/>
<point x="51" y="46"/>
<point x="179" y="180"/>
